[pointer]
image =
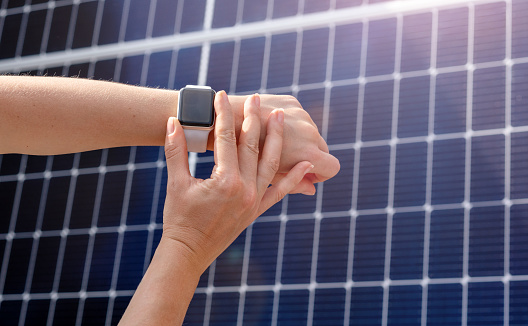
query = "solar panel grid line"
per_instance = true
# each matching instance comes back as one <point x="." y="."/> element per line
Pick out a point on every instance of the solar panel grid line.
<point x="47" y="27"/>
<point x="244" y="275"/>
<point x="62" y="245"/>
<point x="22" y="33"/>
<point x="121" y="232"/>
<point x="97" y="23"/>
<point x="243" y="30"/>
<point x="280" y="257"/>
<point x="36" y="239"/>
<point x="12" y="223"/>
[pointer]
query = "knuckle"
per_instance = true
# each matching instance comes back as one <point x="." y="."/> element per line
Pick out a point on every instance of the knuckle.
<point x="253" y="147"/>
<point x="173" y="151"/>
<point x="231" y="186"/>
<point x="227" y="135"/>
<point x="249" y="198"/>
<point x="273" y="164"/>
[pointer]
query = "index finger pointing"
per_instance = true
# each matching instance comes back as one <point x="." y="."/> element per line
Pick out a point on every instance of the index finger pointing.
<point x="225" y="147"/>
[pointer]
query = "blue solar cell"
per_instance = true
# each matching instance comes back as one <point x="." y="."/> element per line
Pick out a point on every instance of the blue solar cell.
<point x="490" y="32"/>
<point x="102" y="262"/>
<point x="487" y="168"/>
<point x="410" y="176"/>
<point x="416" y="42"/>
<point x="377" y="111"/>
<point x="285" y="8"/>
<point x="333" y="250"/>
<point x="448" y="179"/>
<point x="195" y="312"/>
<point x="446" y="243"/>
<point x="187" y="67"/>
<point x="381" y="47"/>
<point x="146" y="154"/>
<point x="301" y="204"/>
<point x="83" y="203"/>
<point x="10" y="311"/>
<point x="37" y="311"/>
<point x="62" y="162"/>
<point x="162" y="194"/>
<point x="224" y="308"/>
<point x="329" y="307"/>
<point x="282" y="58"/>
<point x="255" y="11"/>
<point x="347" y="3"/>
<point x="258" y="308"/>
<point x="159" y="68"/>
<point x="444" y="305"/>
<point x="73" y="263"/>
<point x="34" y="32"/>
<point x="518" y="240"/>
<point x="65" y="311"/>
<point x="519" y="114"/>
<point x="485" y="303"/>
<point x="7" y="197"/>
<point x="228" y="270"/>
<point x="405" y="305"/>
<point x="407" y="246"/>
<point x="95" y="311"/>
<point x="373" y="177"/>
<point x="29" y="205"/>
<point x="342" y="115"/>
<point x="192" y="16"/>
<point x="112" y="199"/>
<point x="225" y="13"/>
<point x="298" y="245"/>
<point x="45" y="264"/>
<point x="56" y="201"/>
<point x="15" y="278"/>
<point x="311" y="6"/>
<point x="486" y="241"/>
<point x="11" y="164"/>
<point x="314" y="56"/>
<point x="165" y="17"/>
<point x="249" y="77"/>
<point x="347" y="51"/>
<point x="518" y="303"/>
<point x="413" y="107"/>
<point x="220" y="66"/>
<point x="138" y="14"/>
<point x="9" y="40"/>
<point x="293" y="308"/>
<point x="105" y="69"/>
<point x="489" y="98"/>
<point x="452" y="37"/>
<point x="519" y="165"/>
<point x="141" y="195"/>
<point x="450" y="103"/>
<point x="84" y="24"/>
<point x="519" y="29"/>
<point x="14" y="3"/>
<point x="337" y="194"/>
<point x="263" y="253"/>
<point x="110" y="22"/>
<point x="369" y="248"/>
<point x="132" y="261"/>
<point x="366" y="306"/>
<point x="131" y="70"/>
<point x="120" y="304"/>
<point x="79" y="70"/>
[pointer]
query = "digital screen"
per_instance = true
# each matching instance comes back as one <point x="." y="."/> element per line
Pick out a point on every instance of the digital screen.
<point x="196" y="107"/>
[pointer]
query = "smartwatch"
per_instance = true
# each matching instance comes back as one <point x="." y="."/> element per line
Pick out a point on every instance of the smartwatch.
<point x="196" y="115"/>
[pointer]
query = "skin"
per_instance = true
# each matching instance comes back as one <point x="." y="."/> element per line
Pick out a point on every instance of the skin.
<point x="203" y="217"/>
<point x="57" y="115"/>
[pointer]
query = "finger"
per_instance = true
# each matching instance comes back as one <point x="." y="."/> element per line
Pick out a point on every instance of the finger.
<point x="248" y="147"/>
<point x="276" y="192"/>
<point x="176" y="151"/>
<point x="225" y="148"/>
<point x="326" y="167"/>
<point x="305" y="186"/>
<point x="271" y="152"/>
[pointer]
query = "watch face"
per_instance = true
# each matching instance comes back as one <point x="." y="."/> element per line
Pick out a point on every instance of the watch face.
<point x="196" y="107"/>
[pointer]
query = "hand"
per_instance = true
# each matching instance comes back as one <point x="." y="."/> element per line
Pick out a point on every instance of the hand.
<point x="205" y="216"/>
<point x="301" y="141"/>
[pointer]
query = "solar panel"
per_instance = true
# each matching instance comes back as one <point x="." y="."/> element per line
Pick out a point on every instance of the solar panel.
<point x="423" y="102"/>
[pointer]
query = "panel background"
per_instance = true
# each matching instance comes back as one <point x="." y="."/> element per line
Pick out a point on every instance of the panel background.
<point x="425" y="106"/>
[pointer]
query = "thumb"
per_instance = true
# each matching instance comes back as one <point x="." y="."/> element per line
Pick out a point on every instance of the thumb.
<point x="176" y="150"/>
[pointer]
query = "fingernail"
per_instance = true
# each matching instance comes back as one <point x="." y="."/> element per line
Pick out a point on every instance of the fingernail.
<point x="280" y="116"/>
<point x="308" y="169"/>
<point x="171" y="127"/>
<point x="256" y="98"/>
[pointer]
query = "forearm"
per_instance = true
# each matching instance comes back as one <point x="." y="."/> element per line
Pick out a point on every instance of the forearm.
<point x="166" y="290"/>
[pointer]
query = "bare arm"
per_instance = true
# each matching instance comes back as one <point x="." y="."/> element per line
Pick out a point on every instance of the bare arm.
<point x="56" y="115"/>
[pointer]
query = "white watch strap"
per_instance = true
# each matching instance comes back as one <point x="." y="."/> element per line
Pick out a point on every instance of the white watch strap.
<point x="196" y="140"/>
